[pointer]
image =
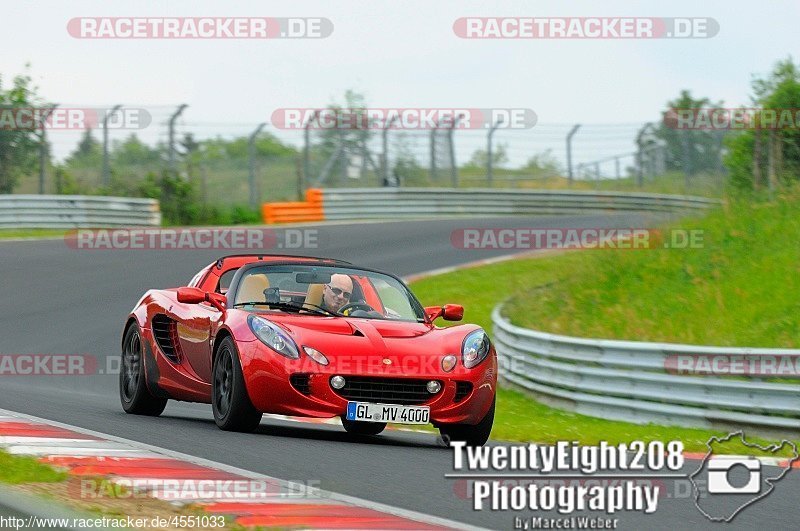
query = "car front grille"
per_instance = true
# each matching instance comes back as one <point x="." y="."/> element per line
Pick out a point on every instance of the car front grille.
<point x="385" y="390"/>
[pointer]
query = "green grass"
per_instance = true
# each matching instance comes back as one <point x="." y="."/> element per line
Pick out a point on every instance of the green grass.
<point x="520" y="418"/>
<point x="16" y="469"/>
<point x="740" y="288"/>
<point x="6" y="234"/>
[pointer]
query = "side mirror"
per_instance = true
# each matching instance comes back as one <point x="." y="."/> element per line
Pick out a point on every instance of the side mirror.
<point x="217" y="300"/>
<point x="196" y="296"/>
<point x="191" y="295"/>
<point x="449" y="312"/>
<point x="452" y="312"/>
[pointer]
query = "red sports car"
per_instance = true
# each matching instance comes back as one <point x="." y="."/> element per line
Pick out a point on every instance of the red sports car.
<point x="312" y="337"/>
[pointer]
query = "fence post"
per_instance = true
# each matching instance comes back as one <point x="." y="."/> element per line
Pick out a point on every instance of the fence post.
<point x="433" y="153"/>
<point x="385" y="155"/>
<point x="251" y="163"/>
<point x="172" y="134"/>
<point x="489" y="161"/>
<point x="304" y="177"/>
<point x="757" y="158"/>
<point x="569" y="151"/>
<point x="106" y="165"/>
<point x="639" y="154"/>
<point x="43" y="148"/>
<point x="452" y="149"/>
<point x="687" y="158"/>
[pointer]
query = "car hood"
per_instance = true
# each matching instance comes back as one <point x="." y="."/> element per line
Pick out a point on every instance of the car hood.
<point x="340" y="338"/>
<point x="342" y="326"/>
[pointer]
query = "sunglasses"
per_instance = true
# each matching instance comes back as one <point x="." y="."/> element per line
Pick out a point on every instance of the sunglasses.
<point x="339" y="292"/>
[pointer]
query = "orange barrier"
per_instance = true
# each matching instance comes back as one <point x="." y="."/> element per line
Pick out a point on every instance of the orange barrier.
<point x="298" y="211"/>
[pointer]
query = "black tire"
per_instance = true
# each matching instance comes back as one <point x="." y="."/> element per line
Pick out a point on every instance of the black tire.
<point x="473" y="435"/>
<point x="233" y="410"/>
<point x="356" y="427"/>
<point x="133" y="392"/>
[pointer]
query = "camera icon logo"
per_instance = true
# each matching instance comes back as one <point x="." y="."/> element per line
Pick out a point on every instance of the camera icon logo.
<point x="737" y="473"/>
<point x="719" y="471"/>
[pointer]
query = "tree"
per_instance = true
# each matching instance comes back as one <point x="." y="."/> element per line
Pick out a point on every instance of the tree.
<point x="18" y="146"/>
<point x="132" y="152"/>
<point x="88" y="153"/>
<point x="694" y="151"/>
<point x="779" y="91"/>
<point x="480" y="157"/>
<point x="351" y="132"/>
<point x="544" y="165"/>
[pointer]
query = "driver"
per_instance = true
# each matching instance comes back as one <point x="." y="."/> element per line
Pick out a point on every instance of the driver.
<point x="337" y="292"/>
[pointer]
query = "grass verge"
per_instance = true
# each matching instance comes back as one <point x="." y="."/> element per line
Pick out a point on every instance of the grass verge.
<point x="16" y="469"/>
<point x="739" y="288"/>
<point x="6" y="234"/>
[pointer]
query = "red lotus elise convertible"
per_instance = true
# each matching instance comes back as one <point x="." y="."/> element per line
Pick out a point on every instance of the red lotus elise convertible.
<point x="311" y="337"/>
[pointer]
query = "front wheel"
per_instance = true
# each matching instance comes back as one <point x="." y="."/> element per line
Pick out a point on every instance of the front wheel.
<point x="233" y="410"/>
<point x="363" y="428"/>
<point x="476" y="435"/>
<point x="133" y="392"/>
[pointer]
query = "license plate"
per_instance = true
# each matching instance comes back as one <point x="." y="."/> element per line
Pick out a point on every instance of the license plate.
<point x="367" y="412"/>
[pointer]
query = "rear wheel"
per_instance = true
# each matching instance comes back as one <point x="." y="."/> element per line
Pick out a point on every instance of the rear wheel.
<point x="473" y="435"/>
<point x="363" y="428"/>
<point x="133" y="392"/>
<point x="233" y="410"/>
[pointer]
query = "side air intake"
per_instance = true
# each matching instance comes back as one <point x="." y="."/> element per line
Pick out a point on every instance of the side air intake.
<point x="166" y="335"/>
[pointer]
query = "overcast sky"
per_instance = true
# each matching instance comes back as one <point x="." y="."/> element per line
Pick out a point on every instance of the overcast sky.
<point x="399" y="54"/>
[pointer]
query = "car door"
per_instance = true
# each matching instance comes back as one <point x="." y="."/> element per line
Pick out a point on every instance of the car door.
<point x="193" y="327"/>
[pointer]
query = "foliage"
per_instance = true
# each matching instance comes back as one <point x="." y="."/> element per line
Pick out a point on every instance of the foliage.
<point x="779" y="90"/>
<point x="519" y="417"/>
<point x="687" y="149"/>
<point x="480" y="158"/>
<point x="544" y="164"/>
<point x="18" y="147"/>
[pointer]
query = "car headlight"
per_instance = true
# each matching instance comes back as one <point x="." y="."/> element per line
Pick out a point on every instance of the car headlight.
<point x="273" y="336"/>
<point x="475" y="348"/>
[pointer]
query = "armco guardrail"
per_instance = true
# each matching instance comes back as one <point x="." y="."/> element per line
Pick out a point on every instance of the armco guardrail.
<point x="631" y="380"/>
<point x="392" y="203"/>
<point x="76" y="211"/>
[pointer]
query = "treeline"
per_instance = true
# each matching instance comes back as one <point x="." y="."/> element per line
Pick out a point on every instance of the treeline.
<point x="759" y="146"/>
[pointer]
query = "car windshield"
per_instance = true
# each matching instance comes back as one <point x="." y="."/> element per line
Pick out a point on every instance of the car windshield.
<point x="326" y="290"/>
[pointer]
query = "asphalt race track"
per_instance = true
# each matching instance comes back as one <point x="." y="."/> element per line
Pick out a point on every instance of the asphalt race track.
<point x="60" y="300"/>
